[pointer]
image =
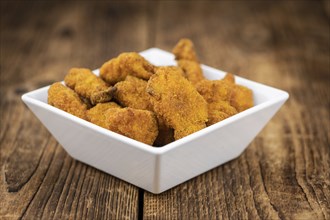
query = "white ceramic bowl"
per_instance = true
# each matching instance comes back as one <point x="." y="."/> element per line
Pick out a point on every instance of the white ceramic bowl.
<point x="159" y="169"/>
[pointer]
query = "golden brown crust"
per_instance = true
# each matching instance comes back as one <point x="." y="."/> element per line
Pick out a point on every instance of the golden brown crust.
<point x="224" y="97"/>
<point x="192" y="71"/>
<point x="140" y="125"/>
<point x="132" y="93"/>
<point x="130" y="63"/>
<point x="96" y="115"/>
<point x="111" y="72"/>
<point x="177" y="101"/>
<point x="66" y="99"/>
<point x="88" y="85"/>
<point x="215" y="90"/>
<point x="136" y="65"/>
<point x="185" y="50"/>
<point x="241" y="98"/>
<point x="186" y="56"/>
<point x="217" y="93"/>
<point x="230" y="78"/>
<point x="102" y="96"/>
<point x="162" y="104"/>
<point x="219" y="111"/>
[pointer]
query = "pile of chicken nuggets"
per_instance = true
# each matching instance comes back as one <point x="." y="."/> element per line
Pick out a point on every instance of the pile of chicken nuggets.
<point x="152" y="104"/>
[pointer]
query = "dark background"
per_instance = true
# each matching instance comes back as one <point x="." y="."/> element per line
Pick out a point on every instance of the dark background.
<point x="283" y="174"/>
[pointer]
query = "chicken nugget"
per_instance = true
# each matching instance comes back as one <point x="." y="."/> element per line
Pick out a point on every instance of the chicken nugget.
<point x="215" y="90"/>
<point x="219" y="111"/>
<point x="224" y="97"/>
<point x="66" y="99"/>
<point x="241" y="98"/>
<point x="96" y="115"/>
<point x="229" y="77"/>
<point x="111" y="71"/>
<point x="192" y="71"/>
<point x="130" y="63"/>
<point x="217" y="93"/>
<point x="88" y="85"/>
<point x="177" y="101"/>
<point x="132" y="93"/>
<point x="186" y="57"/>
<point x="140" y="125"/>
<point x="185" y="50"/>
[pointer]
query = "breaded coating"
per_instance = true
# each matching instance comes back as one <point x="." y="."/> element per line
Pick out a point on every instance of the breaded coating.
<point x="185" y="50"/>
<point x="96" y="115"/>
<point x="111" y="72"/>
<point x="134" y="79"/>
<point x="132" y="93"/>
<point x="186" y="57"/>
<point x="102" y="96"/>
<point x="224" y="97"/>
<point x="66" y="99"/>
<point x="215" y="90"/>
<point x="140" y="125"/>
<point x="136" y="65"/>
<point x="177" y="101"/>
<point x="219" y="111"/>
<point x="241" y="98"/>
<point x="229" y="77"/>
<point x="192" y="71"/>
<point x="130" y="63"/>
<point x="152" y="104"/>
<point x="88" y="85"/>
<point x="217" y="93"/>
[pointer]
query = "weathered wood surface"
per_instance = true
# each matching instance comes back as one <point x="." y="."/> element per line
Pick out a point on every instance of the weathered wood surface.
<point x="40" y="41"/>
<point x="284" y="173"/>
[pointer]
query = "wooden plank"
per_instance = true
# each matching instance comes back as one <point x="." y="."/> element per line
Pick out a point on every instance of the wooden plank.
<point x="40" y="41"/>
<point x="284" y="173"/>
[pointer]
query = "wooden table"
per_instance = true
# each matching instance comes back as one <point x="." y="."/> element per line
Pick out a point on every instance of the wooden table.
<point x="283" y="174"/>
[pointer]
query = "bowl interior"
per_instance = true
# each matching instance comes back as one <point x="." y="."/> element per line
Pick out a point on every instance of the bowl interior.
<point x="263" y="95"/>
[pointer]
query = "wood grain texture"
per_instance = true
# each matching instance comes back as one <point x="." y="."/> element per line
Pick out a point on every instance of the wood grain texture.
<point x="283" y="174"/>
<point x="40" y="41"/>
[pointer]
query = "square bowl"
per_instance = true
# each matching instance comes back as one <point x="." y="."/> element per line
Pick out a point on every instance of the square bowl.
<point x="151" y="168"/>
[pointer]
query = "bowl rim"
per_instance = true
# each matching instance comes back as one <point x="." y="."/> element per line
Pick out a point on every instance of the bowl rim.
<point x="280" y="96"/>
